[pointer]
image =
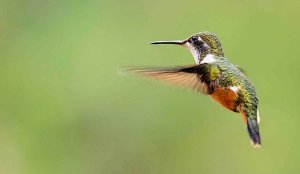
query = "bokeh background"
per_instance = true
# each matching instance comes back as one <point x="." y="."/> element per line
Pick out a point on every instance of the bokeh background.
<point x="66" y="108"/>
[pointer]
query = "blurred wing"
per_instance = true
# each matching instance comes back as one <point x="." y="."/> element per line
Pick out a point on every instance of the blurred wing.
<point x="197" y="77"/>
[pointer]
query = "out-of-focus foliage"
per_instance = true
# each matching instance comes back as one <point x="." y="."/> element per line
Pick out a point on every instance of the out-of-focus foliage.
<point x="65" y="108"/>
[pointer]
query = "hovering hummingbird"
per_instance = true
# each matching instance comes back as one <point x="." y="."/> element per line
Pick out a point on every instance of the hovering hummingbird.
<point x="215" y="76"/>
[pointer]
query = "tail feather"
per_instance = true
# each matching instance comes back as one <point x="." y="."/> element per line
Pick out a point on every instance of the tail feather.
<point x="253" y="130"/>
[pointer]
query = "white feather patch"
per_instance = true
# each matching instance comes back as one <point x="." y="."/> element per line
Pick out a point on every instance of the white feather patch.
<point x="209" y="58"/>
<point x="258" y="117"/>
<point x="194" y="52"/>
<point x="235" y="88"/>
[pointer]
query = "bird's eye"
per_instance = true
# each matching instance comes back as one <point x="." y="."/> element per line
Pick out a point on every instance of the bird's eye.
<point x="194" y="38"/>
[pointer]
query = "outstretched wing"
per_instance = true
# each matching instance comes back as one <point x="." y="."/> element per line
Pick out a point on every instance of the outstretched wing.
<point x="200" y="78"/>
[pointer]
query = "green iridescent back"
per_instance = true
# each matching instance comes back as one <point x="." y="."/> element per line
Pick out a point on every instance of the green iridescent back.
<point x="231" y="75"/>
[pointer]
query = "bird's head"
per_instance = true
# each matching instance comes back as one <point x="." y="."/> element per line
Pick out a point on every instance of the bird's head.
<point x="199" y="44"/>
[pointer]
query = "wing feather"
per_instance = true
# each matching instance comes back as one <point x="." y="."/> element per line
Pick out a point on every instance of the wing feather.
<point x="195" y="77"/>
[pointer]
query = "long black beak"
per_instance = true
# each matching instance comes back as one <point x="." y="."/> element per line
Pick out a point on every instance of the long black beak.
<point x="176" y="42"/>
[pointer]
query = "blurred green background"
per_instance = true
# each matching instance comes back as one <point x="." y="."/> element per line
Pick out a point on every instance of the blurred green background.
<point x="65" y="108"/>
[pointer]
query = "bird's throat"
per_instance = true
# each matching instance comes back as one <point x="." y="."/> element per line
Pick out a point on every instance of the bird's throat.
<point x="197" y="54"/>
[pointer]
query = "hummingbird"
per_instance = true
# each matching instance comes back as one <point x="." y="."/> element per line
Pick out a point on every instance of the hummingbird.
<point x="212" y="75"/>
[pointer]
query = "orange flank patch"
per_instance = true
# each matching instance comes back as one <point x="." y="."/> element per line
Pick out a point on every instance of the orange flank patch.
<point x="244" y="116"/>
<point x="226" y="97"/>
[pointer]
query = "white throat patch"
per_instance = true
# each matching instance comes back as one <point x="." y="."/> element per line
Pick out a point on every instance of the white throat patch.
<point x="209" y="58"/>
<point x="194" y="52"/>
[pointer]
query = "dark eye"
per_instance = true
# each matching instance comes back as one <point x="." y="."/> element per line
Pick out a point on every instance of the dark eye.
<point x="194" y="39"/>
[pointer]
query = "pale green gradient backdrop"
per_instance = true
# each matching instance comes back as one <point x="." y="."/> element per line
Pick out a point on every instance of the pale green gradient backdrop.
<point x="65" y="108"/>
